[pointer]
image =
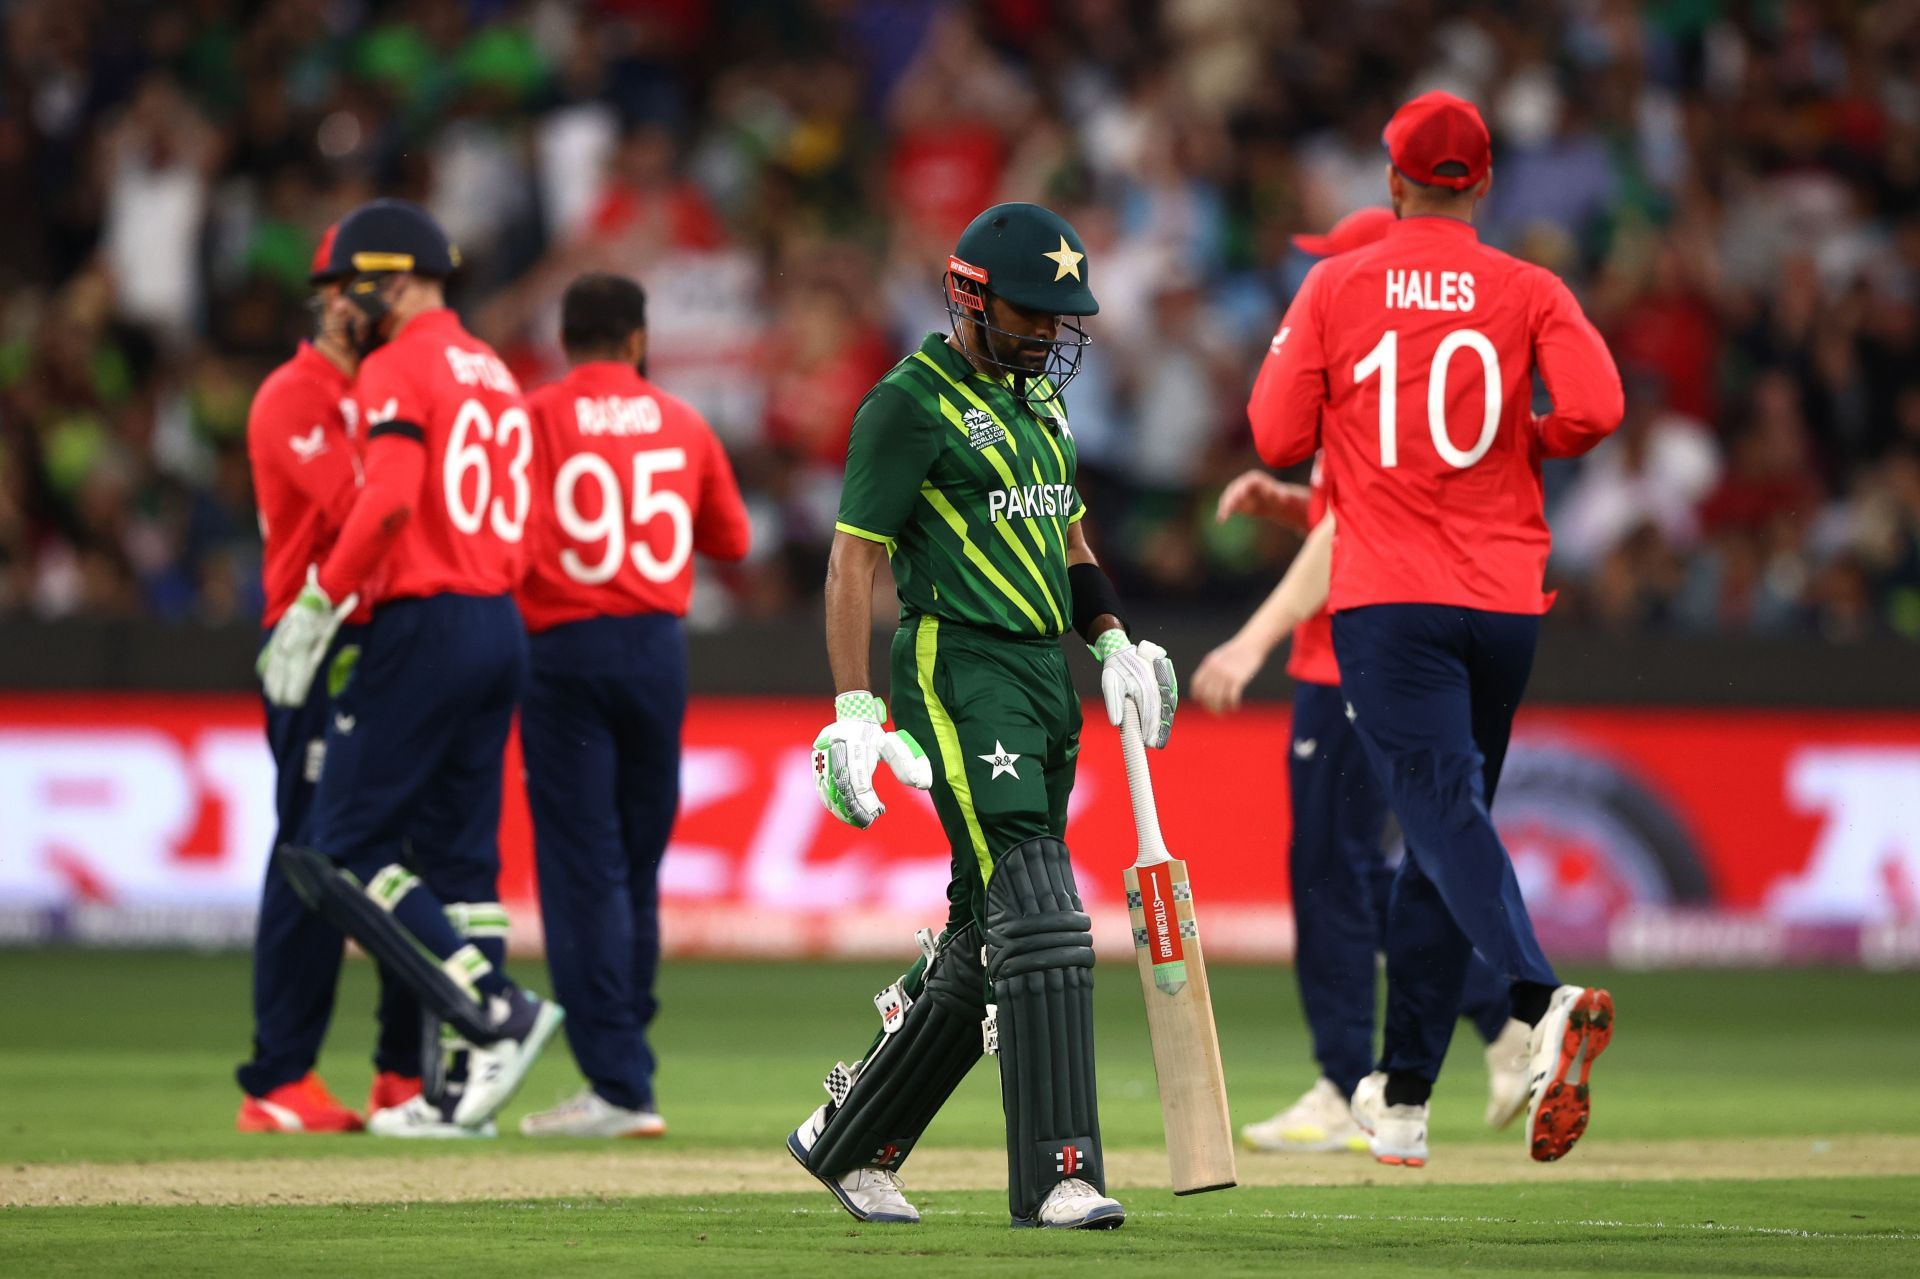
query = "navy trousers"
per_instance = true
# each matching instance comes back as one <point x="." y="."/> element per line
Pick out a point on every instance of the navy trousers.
<point x="1341" y="876"/>
<point x="416" y="746"/>
<point x="1434" y="689"/>
<point x="296" y="955"/>
<point x="601" y="729"/>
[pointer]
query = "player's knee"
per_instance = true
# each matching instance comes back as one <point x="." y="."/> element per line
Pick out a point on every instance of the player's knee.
<point x="1034" y="918"/>
<point x="957" y="981"/>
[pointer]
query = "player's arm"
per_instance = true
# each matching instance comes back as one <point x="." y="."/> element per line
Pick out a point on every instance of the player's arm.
<point x="1292" y="386"/>
<point x="888" y="456"/>
<point x="1302" y="592"/>
<point x="292" y="427"/>
<point x="1581" y="377"/>
<point x="1129" y="672"/>
<point x="721" y="530"/>
<point x="396" y="466"/>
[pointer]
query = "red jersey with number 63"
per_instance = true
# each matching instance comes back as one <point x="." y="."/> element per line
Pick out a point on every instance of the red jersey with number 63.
<point x="631" y="483"/>
<point x="464" y="537"/>
<point x="1411" y="362"/>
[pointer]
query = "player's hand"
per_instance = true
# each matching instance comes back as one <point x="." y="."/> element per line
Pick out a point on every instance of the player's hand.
<point x="1141" y="674"/>
<point x="1259" y="495"/>
<point x="1225" y="673"/>
<point x="849" y="749"/>
<point x="298" y="645"/>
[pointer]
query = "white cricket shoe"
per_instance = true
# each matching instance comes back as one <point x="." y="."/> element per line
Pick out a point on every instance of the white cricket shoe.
<point x="591" y="1115"/>
<point x="1369" y="1101"/>
<point x="420" y="1119"/>
<point x="1320" y="1121"/>
<point x="870" y="1194"/>
<point x="1507" y="1073"/>
<point x="1577" y="1028"/>
<point x="1396" y="1134"/>
<point x="1075" y="1205"/>
<point x="495" y="1071"/>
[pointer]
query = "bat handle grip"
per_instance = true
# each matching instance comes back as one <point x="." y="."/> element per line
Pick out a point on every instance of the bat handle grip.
<point x="1146" y="815"/>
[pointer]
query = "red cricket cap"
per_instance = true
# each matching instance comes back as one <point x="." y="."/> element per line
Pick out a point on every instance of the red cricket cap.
<point x="317" y="272"/>
<point x="1357" y="230"/>
<point x="1435" y="129"/>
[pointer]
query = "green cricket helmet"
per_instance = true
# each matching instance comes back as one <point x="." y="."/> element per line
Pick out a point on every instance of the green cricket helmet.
<point x="1033" y="258"/>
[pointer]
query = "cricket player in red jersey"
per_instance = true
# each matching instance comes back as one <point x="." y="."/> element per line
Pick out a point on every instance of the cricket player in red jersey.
<point x="1338" y="861"/>
<point x="1411" y="362"/>
<point x="631" y="482"/>
<point x="404" y="855"/>
<point x="300" y="443"/>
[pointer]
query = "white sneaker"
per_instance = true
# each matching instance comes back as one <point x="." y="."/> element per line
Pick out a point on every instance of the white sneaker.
<point x="418" y="1118"/>
<point x="591" y="1115"/>
<point x="1369" y="1102"/>
<point x="1507" y="1073"/>
<point x="495" y="1071"/>
<point x="1397" y="1134"/>
<point x="1075" y="1205"/>
<point x="1320" y="1120"/>
<point x="870" y="1194"/>
<point x="1578" y="1027"/>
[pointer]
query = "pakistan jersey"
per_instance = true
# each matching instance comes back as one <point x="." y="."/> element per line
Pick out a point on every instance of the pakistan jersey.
<point x="971" y="491"/>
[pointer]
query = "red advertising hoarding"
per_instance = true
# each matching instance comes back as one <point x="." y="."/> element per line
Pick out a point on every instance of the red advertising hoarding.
<point x="1648" y="836"/>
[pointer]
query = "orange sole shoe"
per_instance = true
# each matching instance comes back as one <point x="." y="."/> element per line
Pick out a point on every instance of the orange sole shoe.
<point x="302" y="1106"/>
<point x="1565" y="1106"/>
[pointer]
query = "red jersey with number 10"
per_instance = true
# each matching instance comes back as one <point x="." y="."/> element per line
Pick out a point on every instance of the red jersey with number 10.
<point x="471" y="512"/>
<point x="1410" y="362"/>
<point x="631" y="483"/>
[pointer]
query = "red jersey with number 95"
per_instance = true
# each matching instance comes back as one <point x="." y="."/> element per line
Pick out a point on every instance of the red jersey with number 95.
<point x="470" y="515"/>
<point x="631" y="483"/>
<point x="1411" y="362"/>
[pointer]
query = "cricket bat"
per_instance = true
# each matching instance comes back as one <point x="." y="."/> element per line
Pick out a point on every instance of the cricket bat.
<point x="1173" y="976"/>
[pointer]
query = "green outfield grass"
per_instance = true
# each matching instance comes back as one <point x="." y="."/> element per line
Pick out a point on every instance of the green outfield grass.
<point x="123" y="1056"/>
<point x="127" y="1058"/>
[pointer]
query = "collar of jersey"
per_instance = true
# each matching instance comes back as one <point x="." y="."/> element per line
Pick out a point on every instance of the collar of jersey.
<point x="1433" y="224"/>
<point x="960" y="368"/>
<point x="440" y="317"/>
<point x="614" y="374"/>
<point x="320" y="368"/>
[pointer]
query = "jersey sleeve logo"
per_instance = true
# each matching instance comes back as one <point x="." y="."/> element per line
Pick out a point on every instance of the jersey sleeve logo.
<point x="982" y="431"/>
<point x="1279" y="339"/>
<point x="385" y="413"/>
<point x="309" y="446"/>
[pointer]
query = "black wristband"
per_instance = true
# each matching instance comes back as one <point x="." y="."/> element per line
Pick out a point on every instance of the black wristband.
<point x="1093" y="598"/>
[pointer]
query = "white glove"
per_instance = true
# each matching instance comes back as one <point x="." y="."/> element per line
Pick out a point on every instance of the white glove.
<point x="849" y="749"/>
<point x="1139" y="673"/>
<point x="299" y="642"/>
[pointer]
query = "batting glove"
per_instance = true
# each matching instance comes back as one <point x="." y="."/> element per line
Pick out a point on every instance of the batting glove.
<point x="1142" y="674"/>
<point x="298" y="645"/>
<point x="848" y="751"/>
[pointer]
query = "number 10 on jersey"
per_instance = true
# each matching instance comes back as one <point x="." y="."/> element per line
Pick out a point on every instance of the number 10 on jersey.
<point x="609" y="533"/>
<point x="1384" y="360"/>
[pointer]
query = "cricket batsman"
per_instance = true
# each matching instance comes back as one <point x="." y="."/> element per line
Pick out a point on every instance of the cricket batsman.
<point x="1337" y="862"/>
<point x="1411" y="363"/>
<point x="301" y="447"/>
<point x="404" y="855"/>
<point x="961" y="470"/>
<point x="632" y="482"/>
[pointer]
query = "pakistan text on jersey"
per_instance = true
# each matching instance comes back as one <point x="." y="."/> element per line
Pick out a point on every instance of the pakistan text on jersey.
<point x="616" y="415"/>
<point x="1420" y="291"/>
<point x="1030" y="501"/>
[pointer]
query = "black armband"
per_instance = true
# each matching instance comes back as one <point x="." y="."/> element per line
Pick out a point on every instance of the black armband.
<point x="411" y="430"/>
<point x="1093" y="598"/>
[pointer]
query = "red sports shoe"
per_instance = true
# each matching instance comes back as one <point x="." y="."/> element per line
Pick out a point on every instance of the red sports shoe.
<point x="390" y="1090"/>
<point x="302" y="1106"/>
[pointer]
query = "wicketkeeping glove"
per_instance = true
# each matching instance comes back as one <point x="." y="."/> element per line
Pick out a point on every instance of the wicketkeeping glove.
<point x="1142" y="673"/>
<point x="298" y="645"/>
<point x="849" y="749"/>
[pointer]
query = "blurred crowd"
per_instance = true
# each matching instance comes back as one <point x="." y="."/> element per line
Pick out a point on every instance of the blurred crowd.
<point x="1733" y="189"/>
